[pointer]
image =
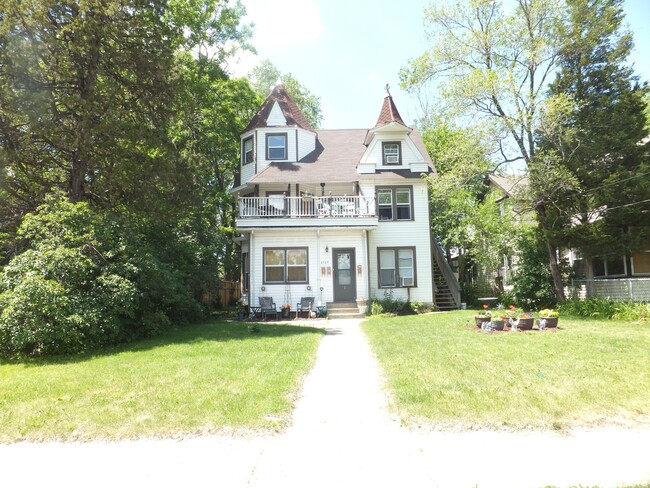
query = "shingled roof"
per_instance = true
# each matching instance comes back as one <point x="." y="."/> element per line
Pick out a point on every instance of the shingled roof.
<point x="388" y="113"/>
<point x="289" y="109"/>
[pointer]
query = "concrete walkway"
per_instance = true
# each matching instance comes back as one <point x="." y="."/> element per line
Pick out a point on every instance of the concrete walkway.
<point x="342" y="436"/>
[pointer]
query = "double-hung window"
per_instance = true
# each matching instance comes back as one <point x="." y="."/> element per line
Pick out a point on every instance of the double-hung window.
<point x="396" y="267"/>
<point x="285" y="265"/>
<point x="395" y="203"/>
<point x="391" y="153"/>
<point x="276" y="146"/>
<point x="247" y="150"/>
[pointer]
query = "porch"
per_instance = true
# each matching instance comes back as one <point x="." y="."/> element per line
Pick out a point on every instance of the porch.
<point x="324" y="207"/>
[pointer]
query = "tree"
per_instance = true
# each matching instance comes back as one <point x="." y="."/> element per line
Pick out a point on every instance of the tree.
<point x="465" y="215"/>
<point x="265" y="76"/>
<point x="597" y="145"/>
<point x="493" y="66"/>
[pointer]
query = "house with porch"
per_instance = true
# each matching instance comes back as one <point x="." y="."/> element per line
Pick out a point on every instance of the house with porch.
<point x="337" y="215"/>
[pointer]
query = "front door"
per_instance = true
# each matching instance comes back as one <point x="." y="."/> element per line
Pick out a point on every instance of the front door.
<point x="344" y="277"/>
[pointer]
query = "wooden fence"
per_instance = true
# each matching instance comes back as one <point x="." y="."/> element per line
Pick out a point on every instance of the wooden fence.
<point x="226" y="294"/>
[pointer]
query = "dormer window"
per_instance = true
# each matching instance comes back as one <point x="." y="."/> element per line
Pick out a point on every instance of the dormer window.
<point x="247" y="150"/>
<point x="392" y="153"/>
<point x="276" y="146"/>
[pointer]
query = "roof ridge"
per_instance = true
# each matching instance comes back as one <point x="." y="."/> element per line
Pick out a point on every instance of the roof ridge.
<point x="288" y="106"/>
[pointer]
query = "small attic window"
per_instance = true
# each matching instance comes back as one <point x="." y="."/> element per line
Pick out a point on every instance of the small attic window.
<point x="392" y="153"/>
<point x="276" y="146"/>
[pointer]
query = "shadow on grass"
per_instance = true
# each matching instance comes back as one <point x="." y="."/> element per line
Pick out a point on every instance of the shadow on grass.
<point x="215" y="330"/>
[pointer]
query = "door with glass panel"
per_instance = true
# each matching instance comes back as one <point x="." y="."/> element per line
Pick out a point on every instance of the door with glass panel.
<point x="345" y="284"/>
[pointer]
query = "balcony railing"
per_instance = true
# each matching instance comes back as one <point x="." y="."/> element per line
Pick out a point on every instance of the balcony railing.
<point x="308" y="207"/>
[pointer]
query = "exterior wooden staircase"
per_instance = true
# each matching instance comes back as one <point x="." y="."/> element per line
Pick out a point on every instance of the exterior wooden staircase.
<point x="343" y="310"/>
<point x="447" y="294"/>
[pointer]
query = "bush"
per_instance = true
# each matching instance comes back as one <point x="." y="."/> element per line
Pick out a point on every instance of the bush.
<point x="88" y="278"/>
<point x="532" y="283"/>
<point x="606" y="309"/>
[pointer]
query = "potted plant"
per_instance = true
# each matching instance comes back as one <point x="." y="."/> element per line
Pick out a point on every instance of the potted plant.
<point x="499" y="318"/>
<point x="483" y="316"/>
<point x="285" y="311"/>
<point x="547" y="318"/>
<point x="525" y="321"/>
<point x="362" y="304"/>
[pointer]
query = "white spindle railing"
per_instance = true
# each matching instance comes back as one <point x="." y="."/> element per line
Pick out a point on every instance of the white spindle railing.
<point x="330" y="206"/>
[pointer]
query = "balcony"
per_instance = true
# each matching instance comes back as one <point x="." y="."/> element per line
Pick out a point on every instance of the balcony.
<point x="306" y="211"/>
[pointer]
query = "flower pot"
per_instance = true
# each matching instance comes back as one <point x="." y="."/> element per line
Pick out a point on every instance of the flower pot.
<point x="481" y="320"/>
<point x="286" y="312"/>
<point x="498" y="324"/>
<point x="525" y="323"/>
<point x="549" y="322"/>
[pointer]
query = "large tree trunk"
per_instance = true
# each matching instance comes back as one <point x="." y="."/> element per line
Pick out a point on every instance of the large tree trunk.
<point x="555" y="272"/>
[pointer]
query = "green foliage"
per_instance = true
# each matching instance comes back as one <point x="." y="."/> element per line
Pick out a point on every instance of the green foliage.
<point x="89" y="278"/>
<point x="532" y="283"/>
<point x="394" y="306"/>
<point x="594" y="146"/>
<point x="604" y="308"/>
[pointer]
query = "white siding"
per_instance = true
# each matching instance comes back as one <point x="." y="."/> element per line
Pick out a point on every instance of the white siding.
<point x="247" y="172"/>
<point x="413" y="233"/>
<point x="319" y="263"/>
<point x="276" y="117"/>
<point x="411" y="156"/>
<point x="262" y="162"/>
<point x="306" y="143"/>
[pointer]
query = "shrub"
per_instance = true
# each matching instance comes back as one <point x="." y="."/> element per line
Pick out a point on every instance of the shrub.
<point x="88" y="278"/>
<point x="533" y="283"/>
<point x="605" y="308"/>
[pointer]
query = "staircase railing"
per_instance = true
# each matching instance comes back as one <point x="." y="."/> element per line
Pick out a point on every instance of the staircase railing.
<point x="447" y="273"/>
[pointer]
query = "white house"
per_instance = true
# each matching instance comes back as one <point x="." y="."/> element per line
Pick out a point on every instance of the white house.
<point x="333" y="214"/>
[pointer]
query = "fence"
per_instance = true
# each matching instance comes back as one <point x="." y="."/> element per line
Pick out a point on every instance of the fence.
<point x="227" y="293"/>
<point x="624" y="289"/>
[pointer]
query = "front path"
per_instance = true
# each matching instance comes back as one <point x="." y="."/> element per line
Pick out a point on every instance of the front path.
<point x="342" y="436"/>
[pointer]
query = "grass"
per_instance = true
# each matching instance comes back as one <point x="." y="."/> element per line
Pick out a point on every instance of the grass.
<point x="196" y="379"/>
<point x="441" y="370"/>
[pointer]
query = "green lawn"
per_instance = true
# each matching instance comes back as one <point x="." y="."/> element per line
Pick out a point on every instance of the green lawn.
<point x="195" y="379"/>
<point x="441" y="370"/>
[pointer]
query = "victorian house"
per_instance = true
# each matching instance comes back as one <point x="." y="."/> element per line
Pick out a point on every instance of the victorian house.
<point x="337" y="215"/>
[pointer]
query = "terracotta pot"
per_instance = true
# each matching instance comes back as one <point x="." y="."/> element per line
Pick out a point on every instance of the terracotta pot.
<point x="498" y="324"/>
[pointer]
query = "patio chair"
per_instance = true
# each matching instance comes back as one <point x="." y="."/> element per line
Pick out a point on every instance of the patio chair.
<point x="268" y="307"/>
<point x="306" y="304"/>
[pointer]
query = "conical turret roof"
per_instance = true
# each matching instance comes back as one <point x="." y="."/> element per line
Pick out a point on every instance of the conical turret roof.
<point x="289" y="108"/>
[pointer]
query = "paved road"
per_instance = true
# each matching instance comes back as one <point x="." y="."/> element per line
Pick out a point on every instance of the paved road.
<point x="342" y="436"/>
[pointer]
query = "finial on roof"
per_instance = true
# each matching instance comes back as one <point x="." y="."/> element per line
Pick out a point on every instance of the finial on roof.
<point x="387" y="88"/>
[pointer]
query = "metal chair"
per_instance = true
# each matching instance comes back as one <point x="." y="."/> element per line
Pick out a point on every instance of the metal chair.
<point x="306" y="304"/>
<point x="268" y="307"/>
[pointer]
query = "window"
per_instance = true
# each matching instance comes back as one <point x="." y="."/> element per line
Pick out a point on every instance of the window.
<point x="392" y="152"/>
<point x="396" y="267"/>
<point x="609" y="267"/>
<point x="285" y="265"/>
<point x="276" y="146"/>
<point x="395" y="203"/>
<point x="247" y="150"/>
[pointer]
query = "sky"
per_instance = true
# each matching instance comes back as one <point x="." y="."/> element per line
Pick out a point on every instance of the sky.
<point x="345" y="51"/>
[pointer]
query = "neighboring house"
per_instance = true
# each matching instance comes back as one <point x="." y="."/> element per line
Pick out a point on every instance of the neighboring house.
<point x="333" y="214"/>
<point x="624" y="277"/>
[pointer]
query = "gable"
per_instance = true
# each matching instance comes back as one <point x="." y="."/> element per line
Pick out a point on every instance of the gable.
<point x="276" y="117"/>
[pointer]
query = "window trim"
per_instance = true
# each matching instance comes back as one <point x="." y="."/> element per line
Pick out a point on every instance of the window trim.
<point x="396" y="250"/>
<point x="606" y="268"/>
<point x="244" y="152"/>
<point x="286" y="145"/>
<point x="286" y="266"/>
<point x="393" y="190"/>
<point x="399" y="153"/>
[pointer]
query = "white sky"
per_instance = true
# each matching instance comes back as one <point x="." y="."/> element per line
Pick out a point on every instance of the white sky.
<point x="345" y="51"/>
